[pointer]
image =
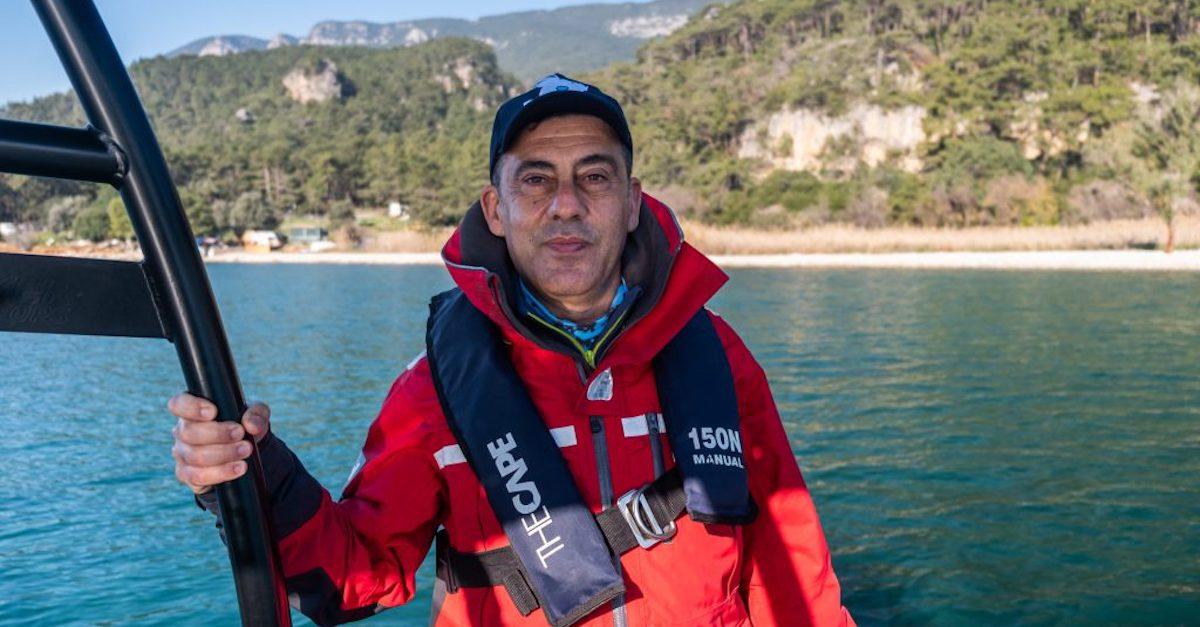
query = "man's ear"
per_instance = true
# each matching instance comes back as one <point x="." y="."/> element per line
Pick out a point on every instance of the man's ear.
<point x="489" y="200"/>
<point x="635" y="204"/>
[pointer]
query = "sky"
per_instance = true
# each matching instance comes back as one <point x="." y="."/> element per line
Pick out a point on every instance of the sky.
<point x="144" y="28"/>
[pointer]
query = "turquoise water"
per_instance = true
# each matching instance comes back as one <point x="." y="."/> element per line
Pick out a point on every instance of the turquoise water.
<point x="983" y="447"/>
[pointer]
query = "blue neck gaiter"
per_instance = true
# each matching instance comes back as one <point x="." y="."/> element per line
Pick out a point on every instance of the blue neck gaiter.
<point x="586" y="334"/>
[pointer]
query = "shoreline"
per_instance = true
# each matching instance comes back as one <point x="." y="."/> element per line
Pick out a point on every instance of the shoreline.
<point x="1078" y="260"/>
<point x="1116" y="245"/>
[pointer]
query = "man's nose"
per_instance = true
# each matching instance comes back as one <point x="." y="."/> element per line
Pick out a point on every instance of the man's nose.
<point x="567" y="203"/>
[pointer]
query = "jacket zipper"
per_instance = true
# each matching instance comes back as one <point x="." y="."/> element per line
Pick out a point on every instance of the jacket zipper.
<point x="600" y="443"/>
<point x="604" y="474"/>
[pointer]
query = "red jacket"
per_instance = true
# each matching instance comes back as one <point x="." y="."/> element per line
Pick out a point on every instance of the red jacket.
<point x="349" y="558"/>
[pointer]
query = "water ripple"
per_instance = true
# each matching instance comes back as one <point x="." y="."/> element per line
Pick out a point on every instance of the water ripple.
<point x="984" y="447"/>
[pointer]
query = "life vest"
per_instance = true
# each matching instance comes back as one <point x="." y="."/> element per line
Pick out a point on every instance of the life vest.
<point x="562" y="557"/>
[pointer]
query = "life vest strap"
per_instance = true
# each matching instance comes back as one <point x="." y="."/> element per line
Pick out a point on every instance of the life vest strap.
<point x="498" y="567"/>
<point x="665" y="501"/>
<point x="625" y="528"/>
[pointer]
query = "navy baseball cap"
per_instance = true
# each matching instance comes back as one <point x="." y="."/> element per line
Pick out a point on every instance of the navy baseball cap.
<point x="554" y="95"/>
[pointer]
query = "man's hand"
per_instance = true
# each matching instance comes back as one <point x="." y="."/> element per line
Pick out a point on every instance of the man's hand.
<point x="208" y="452"/>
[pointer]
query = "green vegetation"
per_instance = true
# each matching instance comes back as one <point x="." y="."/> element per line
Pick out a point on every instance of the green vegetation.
<point x="1024" y="103"/>
<point x="1024" y="113"/>
<point x="1167" y="155"/>
<point x="409" y="128"/>
<point x="91" y="223"/>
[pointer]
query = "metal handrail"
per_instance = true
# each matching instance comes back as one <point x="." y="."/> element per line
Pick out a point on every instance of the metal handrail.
<point x="120" y="148"/>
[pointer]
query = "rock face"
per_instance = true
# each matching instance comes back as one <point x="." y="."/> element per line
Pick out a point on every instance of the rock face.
<point x="317" y="84"/>
<point x="804" y="139"/>
<point x="645" y="27"/>
<point x="367" y="34"/>
<point x="218" y="47"/>
<point x="459" y="75"/>
<point x="1036" y="142"/>
<point x="281" y="40"/>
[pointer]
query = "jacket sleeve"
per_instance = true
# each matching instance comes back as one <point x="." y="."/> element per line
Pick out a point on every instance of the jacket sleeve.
<point x="787" y="575"/>
<point x="349" y="559"/>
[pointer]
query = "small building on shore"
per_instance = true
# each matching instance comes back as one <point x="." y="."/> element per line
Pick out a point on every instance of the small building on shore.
<point x="307" y="235"/>
<point x="261" y="241"/>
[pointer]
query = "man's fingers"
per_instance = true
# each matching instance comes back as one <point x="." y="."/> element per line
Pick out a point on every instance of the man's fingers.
<point x="199" y="479"/>
<point x="190" y="407"/>
<point x="208" y="452"/>
<point x="202" y="433"/>
<point x="211" y="455"/>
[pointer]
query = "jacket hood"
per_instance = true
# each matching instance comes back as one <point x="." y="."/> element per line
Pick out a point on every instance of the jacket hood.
<point x="675" y="279"/>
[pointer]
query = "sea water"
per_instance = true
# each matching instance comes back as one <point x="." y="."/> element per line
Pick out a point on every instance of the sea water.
<point x="983" y="447"/>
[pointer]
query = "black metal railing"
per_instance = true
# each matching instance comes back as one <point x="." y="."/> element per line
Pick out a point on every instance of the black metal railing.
<point x="167" y="295"/>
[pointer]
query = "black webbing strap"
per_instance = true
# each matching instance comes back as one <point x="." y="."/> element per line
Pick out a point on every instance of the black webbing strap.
<point x="498" y="567"/>
<point x="665" y="500"/>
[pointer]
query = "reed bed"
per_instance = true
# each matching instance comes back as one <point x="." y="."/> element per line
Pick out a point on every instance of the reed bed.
<point x="1147" y="233"/>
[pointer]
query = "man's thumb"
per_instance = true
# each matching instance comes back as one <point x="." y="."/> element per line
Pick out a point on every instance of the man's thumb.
<point x="257" y="421"/>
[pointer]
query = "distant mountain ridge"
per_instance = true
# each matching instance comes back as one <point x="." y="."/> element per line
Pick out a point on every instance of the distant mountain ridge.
<point x="528" y="44"/>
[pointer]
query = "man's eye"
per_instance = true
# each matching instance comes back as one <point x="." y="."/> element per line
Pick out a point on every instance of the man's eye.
<point x="534" y="180"/>
<point x="596" y="178"/>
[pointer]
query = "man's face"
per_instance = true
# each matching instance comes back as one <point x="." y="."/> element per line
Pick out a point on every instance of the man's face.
<point x="564" y="207"/>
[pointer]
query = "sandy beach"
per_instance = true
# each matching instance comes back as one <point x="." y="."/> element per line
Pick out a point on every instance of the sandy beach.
<point x="1132" y="245"/>
<point x="1121" y="245"/>
<point x="1095" y="260"/>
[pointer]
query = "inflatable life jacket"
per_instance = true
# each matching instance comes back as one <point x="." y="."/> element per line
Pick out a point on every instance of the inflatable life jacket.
<point x="562" y="557"/>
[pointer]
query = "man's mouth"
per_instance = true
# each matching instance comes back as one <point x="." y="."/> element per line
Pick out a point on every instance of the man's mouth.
<point x="566" y="245"/>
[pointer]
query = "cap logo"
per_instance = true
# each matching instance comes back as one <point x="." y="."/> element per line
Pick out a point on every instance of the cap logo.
<point x="555" y="83"/>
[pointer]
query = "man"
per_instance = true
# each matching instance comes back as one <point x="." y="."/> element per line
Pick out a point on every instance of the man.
<point x="576" y="402"/>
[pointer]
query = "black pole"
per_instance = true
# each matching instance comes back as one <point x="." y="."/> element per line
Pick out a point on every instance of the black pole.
<point x="173" y="265"/>
<point x="82" y="154"/>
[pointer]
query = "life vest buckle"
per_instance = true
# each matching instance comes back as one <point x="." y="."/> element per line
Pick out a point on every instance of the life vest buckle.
<point x="636" y="510"/>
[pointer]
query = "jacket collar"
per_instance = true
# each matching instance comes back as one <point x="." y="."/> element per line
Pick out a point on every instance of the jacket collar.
<point x="675" y="281"/>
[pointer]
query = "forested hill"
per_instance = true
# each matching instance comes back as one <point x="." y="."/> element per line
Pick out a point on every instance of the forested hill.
<point x="766" y="112"/>
<point x="306" y="129"/>
<point x="915" y="111"/>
